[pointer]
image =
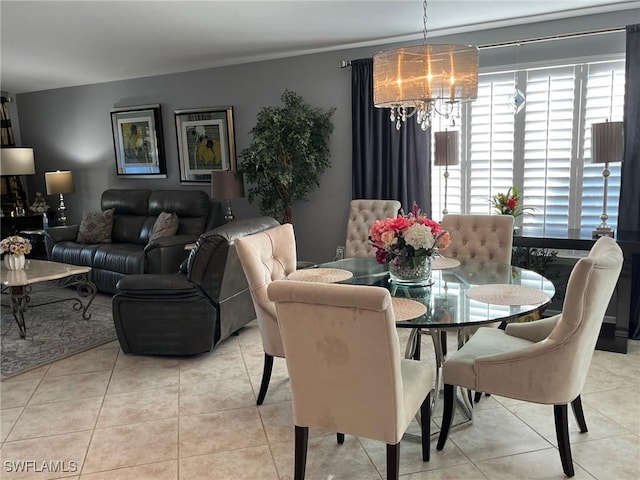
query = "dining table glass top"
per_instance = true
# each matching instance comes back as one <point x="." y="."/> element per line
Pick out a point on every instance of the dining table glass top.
<point x="499" y="291"/>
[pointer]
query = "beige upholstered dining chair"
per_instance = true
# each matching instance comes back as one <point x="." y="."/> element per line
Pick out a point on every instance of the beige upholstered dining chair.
<point x="340" y="382"/>
<point x="267" y="256"/>
<point x="545" y="361"/>
<point x="487" y="238"/>
<point x="362" y="214"/>
<point x="481" y="237"/>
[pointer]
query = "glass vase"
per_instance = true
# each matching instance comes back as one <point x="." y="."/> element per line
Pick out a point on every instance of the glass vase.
<point x="410" y="271"/>
<point x="14" y="262"/>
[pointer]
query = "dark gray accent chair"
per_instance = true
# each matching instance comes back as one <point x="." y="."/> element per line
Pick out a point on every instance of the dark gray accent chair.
<point x="189" y="312"/>
<point x="130" y="251"/>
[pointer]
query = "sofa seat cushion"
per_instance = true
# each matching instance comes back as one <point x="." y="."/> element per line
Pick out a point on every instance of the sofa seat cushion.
<point x="127" y="258"/>
<point x="74" y="253"/>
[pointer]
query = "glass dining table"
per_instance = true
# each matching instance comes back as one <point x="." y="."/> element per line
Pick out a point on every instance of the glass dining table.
<point x="463" y="293"/>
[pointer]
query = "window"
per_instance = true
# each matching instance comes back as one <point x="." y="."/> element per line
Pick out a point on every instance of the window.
<point x="544" y="149"/>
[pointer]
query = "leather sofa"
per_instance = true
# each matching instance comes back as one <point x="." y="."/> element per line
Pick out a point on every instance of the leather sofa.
<point x="130" y="251"/>
<point x="189" y="312"/>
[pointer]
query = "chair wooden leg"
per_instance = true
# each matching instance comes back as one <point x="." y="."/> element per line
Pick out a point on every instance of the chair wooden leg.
<point x="562" y="435"/>
<point x="478" y="395"/>
<point x="576" y="405"/>
<point x="300" y="461"/>
<point x="425" y="426"/>
<point x="447" y="415"/>
<point x="266" y="376"/>
<point x="340" y="438"/>
<point x="443" y="340"/>
<point x="393" y="461"/>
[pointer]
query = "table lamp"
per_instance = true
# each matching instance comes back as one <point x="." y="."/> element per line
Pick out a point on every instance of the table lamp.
<point x="225" y="185"/>
<point x="15" y="162"/>
<point x="59" y="183"/>
<point x="446" y="153"/>
<point x="607" y="145"/>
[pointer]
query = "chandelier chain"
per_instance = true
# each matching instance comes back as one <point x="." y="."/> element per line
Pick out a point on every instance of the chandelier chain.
<point x="424" y="21"/>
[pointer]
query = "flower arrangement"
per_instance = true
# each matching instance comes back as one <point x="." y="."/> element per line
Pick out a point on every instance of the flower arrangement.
<point x="15" y="245"/>
<point x="407" y="237"/>
<point x="509" y="203"/>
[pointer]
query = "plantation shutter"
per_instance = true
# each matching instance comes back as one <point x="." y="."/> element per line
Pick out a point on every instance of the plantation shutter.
<point x="549" y="132"/>
<point x="544" y="150"/>
<point x="491" y="142"/>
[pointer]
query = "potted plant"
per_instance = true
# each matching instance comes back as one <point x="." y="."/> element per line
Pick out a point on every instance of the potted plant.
<point x="288" y="153"/>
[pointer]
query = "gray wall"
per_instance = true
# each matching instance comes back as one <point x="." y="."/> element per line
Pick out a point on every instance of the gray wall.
<point x="70" y="128"/>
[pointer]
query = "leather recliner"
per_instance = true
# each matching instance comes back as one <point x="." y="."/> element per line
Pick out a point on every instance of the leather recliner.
<point x="189" y="312"/>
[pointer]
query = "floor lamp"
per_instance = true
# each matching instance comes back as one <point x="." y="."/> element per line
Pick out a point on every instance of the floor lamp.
<point x="225" y="185"/>
<point x="607" y="145"/>
<point x="15" y="162"/>
<point x="59" y="183"/>
<point x="446" y="154"/>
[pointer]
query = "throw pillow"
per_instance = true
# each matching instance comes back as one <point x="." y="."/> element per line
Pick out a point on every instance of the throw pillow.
<point x="96" y="227"/>
<point x="166" y="225"/>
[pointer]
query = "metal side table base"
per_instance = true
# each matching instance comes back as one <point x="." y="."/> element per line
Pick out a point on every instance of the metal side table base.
<point x="21" y="298"/>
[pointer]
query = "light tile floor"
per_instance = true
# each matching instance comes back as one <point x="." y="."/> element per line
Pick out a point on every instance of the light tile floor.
<point x="103" y="415"/>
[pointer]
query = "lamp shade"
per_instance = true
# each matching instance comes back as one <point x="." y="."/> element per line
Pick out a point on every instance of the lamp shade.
<point x="226" y="184"/>
<point x="59" y="182"/>
<point x="410" y="76"/>
<point x="17" y="161"/>
<point x="446" y="148"/>
<point x="607" y="142"/>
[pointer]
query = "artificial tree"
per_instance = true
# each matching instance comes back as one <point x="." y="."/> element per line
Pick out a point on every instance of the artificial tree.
<point x="289" y="151"/>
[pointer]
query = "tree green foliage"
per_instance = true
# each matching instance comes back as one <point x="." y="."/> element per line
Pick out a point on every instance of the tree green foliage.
<point x="288" y="153"/>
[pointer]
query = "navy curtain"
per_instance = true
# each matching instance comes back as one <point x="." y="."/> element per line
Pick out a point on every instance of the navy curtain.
<point x="629" y="206"/>
<point x="386" y="163"/>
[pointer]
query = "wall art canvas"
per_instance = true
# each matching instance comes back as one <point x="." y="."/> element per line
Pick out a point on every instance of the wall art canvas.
<point x="205" y="142"/>
<point x="137" y="138"/>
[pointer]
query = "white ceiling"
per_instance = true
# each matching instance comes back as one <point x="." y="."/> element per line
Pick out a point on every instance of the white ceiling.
<point x="52" y="44"/>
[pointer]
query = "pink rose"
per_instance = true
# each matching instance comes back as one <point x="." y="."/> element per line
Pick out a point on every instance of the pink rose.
<point x="444" y="240"/>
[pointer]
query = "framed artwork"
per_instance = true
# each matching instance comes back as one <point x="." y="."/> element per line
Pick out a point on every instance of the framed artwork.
<point x="205" y="142"/>
<point x="138" y="143"/>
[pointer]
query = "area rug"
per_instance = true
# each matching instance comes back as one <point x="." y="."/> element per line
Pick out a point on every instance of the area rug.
<point x="54" y="332"/>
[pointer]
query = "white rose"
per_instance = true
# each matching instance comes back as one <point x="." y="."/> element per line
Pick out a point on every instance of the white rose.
<point x="419" y="236"/>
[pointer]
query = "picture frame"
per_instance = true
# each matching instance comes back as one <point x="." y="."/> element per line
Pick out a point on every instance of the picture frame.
<point x="206" y="142"/>
<point x="138" y="141"/>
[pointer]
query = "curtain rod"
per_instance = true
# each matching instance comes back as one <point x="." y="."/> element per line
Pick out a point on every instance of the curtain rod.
<point x="561" y="36"/>
<point x="548" y="38"/>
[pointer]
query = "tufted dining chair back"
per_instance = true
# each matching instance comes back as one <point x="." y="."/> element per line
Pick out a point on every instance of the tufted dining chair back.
<point x="267" y="256"/>
<point x="482" y="237"/>
<point x="362" y="214"/>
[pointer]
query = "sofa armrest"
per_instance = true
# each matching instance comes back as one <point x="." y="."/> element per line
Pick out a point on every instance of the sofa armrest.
<point x="53" y="235"/>
<point x="165" y="254"/>
<point x="59" y="234"/>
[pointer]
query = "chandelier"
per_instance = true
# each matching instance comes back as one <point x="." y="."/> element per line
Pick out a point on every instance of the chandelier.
<point x="425" y="79"/>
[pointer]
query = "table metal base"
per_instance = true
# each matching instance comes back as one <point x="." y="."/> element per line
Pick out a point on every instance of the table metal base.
<point x="413" y="350"/>
<point x="21" y="298"/>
